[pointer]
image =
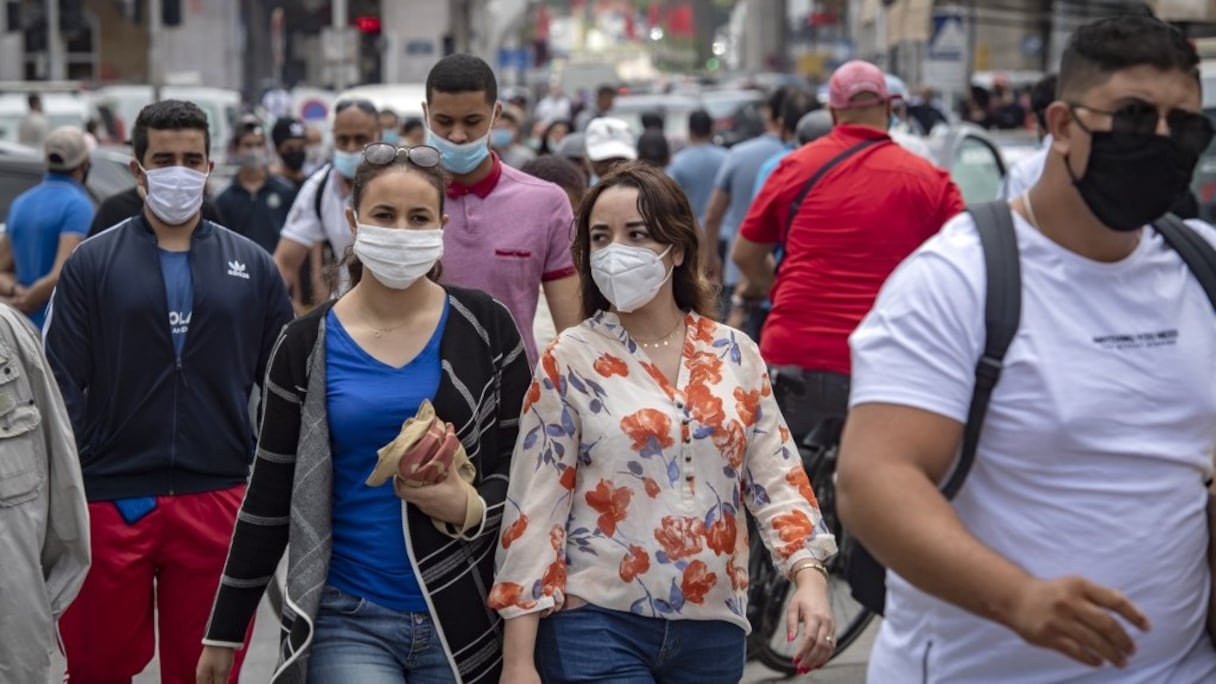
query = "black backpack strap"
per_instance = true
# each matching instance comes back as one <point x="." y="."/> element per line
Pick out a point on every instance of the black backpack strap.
<point x="1002" y="315"/>
<point x="320" y="194"/>
<point x="806" y="189"/>
<point x="1196" y="252"/>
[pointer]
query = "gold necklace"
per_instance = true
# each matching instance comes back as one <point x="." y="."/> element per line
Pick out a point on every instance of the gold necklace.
<point x="662" y="341"/>
<point x="380" y="332"/>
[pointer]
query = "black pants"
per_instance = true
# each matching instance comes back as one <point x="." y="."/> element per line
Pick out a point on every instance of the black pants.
<point x="814" y="403"/>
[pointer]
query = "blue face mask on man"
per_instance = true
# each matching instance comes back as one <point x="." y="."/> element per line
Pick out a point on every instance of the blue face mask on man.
<point x="347" y="163"/>
<point x="501" y="138"/>
<point x="390" y="136"/>
<point x="459" y="159"/>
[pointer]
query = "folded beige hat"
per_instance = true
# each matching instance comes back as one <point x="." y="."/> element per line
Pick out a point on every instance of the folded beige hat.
<point x="421" y="455"/>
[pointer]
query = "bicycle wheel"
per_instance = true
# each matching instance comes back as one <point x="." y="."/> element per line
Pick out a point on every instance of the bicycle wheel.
<point x="770" y="592"/>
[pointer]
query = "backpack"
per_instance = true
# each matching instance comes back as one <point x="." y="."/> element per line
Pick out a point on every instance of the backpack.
<point x="1002" y="315"/>
<point x="324" y="172"/>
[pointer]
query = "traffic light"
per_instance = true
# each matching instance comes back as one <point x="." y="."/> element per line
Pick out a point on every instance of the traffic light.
<point x="368" y="24"/>
<point x="171" y="12"/>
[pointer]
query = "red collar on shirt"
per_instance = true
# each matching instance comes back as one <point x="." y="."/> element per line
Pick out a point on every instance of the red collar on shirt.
<point x="481" y="188"/>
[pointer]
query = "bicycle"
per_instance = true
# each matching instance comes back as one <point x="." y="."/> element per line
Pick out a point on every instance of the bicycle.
<point x="769" y="591"/>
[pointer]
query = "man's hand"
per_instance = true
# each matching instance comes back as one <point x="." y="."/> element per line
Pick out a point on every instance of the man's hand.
<point x="214" y="665"/>
<point x="1074" y="616"/>
<point x="445" y="501"/>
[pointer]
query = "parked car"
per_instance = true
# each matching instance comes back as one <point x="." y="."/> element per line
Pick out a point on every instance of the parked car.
<point x="221" y="105"/>
<point x="21" y="170"/>
<point x="738" y="114"/>
<point x="674" y="109"/>
<point x="973" y="159"/>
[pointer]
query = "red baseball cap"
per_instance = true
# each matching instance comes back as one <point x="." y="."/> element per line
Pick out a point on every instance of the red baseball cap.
<point x="857" y="78"/>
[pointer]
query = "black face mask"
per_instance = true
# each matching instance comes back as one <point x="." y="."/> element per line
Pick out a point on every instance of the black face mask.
<point x="1132" y="179"/>
<point x="293" y="159"/>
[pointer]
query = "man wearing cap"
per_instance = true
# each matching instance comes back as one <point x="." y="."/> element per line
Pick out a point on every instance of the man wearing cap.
<point x="609" y="142"/>
<point x="290" y="139"/>
<point x="876" y="205"/>
<point x="256" y="203"/>
<point x="45" y="223"/>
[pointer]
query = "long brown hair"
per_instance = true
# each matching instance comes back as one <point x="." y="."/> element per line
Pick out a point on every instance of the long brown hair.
<point x="670" y="221"/>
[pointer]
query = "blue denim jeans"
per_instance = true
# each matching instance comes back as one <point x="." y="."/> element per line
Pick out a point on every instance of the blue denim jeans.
<point x="593" y="644"/>
<point x="355" y="640"/>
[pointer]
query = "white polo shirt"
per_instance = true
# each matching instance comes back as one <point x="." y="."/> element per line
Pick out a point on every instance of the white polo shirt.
<point x="1093" y="457"/>
<point x="303" y="226"/>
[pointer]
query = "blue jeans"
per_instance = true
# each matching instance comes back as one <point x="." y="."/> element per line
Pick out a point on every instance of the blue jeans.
<point x="593" y="644"/>
<point x="355" y="640"/>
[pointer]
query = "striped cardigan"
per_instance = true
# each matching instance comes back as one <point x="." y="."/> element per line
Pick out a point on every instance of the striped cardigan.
<point x="290" y="493"/>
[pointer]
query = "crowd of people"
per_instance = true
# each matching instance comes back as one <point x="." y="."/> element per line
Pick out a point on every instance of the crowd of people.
<point x="339" y="368"/>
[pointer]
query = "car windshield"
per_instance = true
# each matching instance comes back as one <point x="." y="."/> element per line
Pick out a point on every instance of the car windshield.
<point x="722" y="105"/>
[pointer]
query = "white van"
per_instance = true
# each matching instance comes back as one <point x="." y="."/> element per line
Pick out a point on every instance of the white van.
<point x="61" y="109"/>
<point x="403" y="98"/>
<point x="220" y="104"/>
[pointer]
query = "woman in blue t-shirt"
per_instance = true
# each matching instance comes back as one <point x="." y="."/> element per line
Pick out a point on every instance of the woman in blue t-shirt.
<point x="384" y="583"/>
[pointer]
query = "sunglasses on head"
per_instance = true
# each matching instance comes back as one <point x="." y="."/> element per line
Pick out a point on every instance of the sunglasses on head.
<point x="383" y="154"/>
<point x="362" y="105"/>
<point x="1191" y="130"/>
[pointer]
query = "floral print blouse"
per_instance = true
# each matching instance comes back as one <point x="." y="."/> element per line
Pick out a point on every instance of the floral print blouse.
<point x="627" y="491"/>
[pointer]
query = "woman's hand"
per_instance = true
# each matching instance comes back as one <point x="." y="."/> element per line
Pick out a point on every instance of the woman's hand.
<point x="445" y="501"/>
<point x="809" y="608"/>
<point x="214" y="665"/>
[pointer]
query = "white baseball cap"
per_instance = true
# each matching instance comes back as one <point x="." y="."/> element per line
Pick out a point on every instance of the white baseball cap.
<point x="609" y="138"/>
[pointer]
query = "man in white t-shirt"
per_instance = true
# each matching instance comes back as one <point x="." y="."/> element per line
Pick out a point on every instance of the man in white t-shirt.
<point x="313" y="223"/>
<point x="1077" y="549"/>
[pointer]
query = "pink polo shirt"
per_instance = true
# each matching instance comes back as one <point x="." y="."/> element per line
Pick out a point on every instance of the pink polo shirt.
<point x="505" y="236"/>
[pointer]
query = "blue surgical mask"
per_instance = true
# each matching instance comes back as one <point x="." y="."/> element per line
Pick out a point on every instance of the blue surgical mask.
<point x="501" y="138"/>
<point x="459" y="159"/>
<point x="346" y="163"/>
<point x="390" y="136"/>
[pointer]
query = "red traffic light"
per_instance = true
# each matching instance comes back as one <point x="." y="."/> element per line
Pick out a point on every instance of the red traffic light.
<point x="367" y="24"/>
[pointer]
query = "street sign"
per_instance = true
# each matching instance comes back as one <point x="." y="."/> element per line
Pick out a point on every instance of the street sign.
<point x="945" y="66"/>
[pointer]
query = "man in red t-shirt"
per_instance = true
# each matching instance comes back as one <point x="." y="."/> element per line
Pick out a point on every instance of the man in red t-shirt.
<point x="865" y="214"/>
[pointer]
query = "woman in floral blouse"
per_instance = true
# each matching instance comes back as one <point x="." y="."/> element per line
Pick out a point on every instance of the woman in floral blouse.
<point x="645" y="432"/>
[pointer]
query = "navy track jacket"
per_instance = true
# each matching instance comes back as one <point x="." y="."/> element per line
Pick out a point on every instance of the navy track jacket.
<point x="149" y="423"/>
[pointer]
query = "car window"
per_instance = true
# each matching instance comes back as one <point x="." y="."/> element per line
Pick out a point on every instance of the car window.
<point x="977" y="170"/>
<point x="13" y="183"/>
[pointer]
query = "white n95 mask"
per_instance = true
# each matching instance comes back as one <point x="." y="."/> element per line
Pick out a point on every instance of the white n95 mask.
<point x="629" y="277"/>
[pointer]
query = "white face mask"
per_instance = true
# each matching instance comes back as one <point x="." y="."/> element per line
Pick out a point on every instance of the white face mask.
<point x="175" y="193"/>
<point x="629" y="277"/>
<point x="398" y="257"/>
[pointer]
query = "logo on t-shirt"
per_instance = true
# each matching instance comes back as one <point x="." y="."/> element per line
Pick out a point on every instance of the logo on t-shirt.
<point x="1162" y="338"/>
<point x="237" y="269"/>
<point x="179" y="322"/>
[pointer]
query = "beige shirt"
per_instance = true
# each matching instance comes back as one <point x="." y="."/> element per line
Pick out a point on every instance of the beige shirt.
<point x="628" y="491"/>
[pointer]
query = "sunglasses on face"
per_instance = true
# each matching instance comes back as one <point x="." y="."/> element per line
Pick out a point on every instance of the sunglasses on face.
<point x="383" y="154"/>
<point x="1191" y="130"/>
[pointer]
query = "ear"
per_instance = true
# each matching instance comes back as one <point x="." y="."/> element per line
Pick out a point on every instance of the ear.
<point x="1061" y="126"/>
<point x="677" y="257"/>
<point x="443" y="222"/>
<point x="497" y="112"/>
<point x="135" y="169"/>
<point x="210" y="167"/>
<point x="352" y="220"/>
